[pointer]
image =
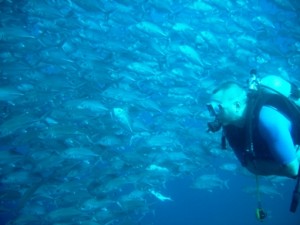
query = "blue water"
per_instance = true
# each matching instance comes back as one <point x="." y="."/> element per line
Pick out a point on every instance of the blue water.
<point x="65" y="66"/>
<point x="228" y="207"/>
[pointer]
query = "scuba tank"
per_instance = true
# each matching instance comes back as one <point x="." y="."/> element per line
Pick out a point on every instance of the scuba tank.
<point x="273" y="84"/>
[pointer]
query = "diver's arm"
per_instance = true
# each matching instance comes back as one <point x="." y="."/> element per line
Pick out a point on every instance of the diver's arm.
<point x="275" y="128"/>
<point x="268" y="167"/>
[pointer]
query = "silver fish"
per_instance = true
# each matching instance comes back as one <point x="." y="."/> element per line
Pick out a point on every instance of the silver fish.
<point x="122" y="117"/>
<point x="210" y="182"/>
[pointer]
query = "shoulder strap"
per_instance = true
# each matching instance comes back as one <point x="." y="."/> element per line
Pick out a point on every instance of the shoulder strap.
<point x="255" y="102"/>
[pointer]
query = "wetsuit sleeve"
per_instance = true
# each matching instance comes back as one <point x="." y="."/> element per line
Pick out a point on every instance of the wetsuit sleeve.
<point x="275" y="128"/>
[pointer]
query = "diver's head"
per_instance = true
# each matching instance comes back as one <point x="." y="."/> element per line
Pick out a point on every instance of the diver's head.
<point x="228" y="103"/>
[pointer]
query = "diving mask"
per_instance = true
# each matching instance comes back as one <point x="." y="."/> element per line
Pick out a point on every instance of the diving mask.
<point x="214" y="110"/>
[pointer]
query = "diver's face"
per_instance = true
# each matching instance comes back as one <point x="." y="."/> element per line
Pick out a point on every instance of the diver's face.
<point x="225" y="113"/>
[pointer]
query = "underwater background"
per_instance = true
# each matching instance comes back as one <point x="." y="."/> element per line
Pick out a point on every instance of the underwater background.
<point x="103" y="114"/>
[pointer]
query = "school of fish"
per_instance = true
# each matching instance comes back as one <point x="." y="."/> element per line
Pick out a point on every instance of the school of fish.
<point x="103" y="102"/>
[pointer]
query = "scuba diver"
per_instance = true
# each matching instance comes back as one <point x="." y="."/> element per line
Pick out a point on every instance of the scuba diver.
<point x="261" y="125"/>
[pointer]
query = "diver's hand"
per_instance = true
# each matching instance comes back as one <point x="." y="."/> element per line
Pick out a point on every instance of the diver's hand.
<point x="268" y="167"/>
<point x="297" y="148"/>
